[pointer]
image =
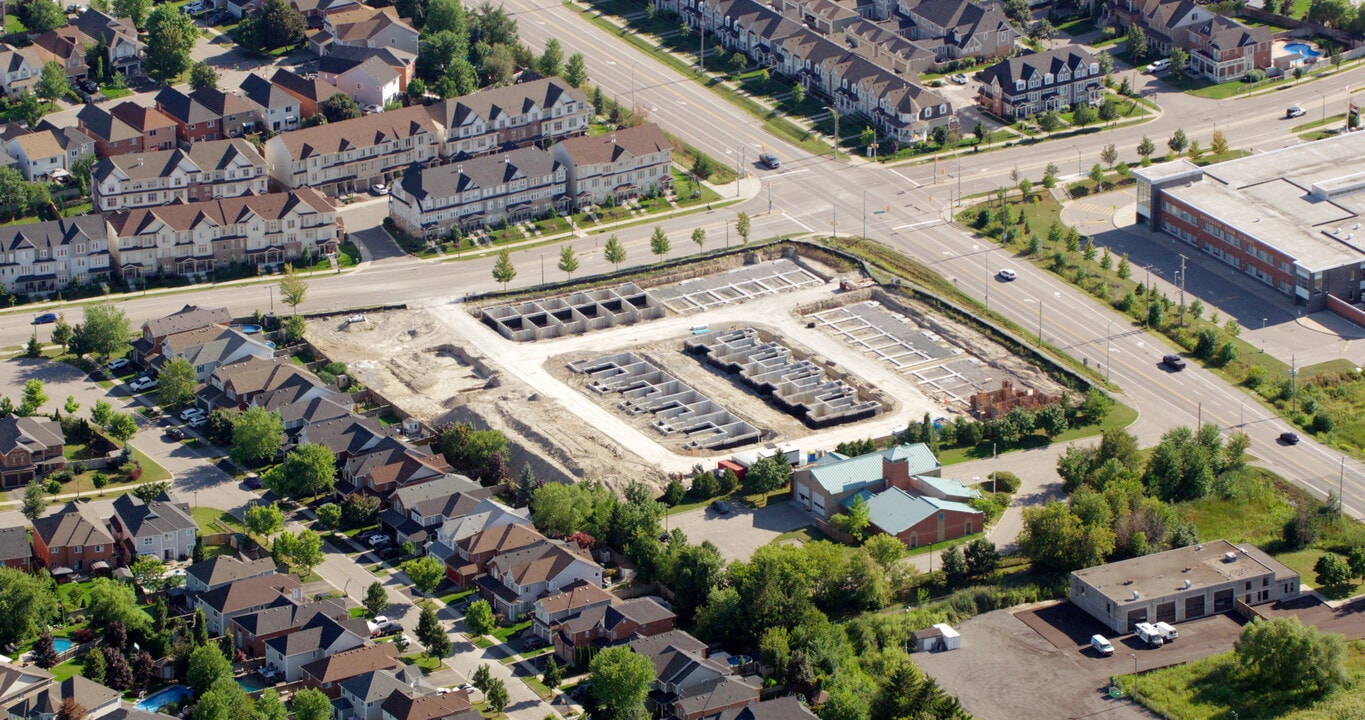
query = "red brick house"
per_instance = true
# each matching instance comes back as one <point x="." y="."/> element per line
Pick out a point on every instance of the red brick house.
<point x="72" y="539"/>
<point x="327" y="674"/>
<point x="606" y="625"/>
<point x="15" y="552"/>
<point x="1223" y="49"/>
<point x="251" y="631"/>
<point x="919" y="519"/>
<point x="30" y="447"/>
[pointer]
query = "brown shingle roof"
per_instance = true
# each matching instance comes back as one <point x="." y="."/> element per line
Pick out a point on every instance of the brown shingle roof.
<point x="579" y="594"/>
<point x="250" y="592"/>
<point x="348" y="664"/>
<point x="361" y="132"/>
<point x="503" y="539"/>
<point x="224" y="211"/>
<point x="426" y="707"/>
<point x="71" y="527"/>
<point x="636" y="141"/>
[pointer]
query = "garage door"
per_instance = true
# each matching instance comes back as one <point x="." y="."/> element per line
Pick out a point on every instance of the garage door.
<point x="1165" y="612"/>
<point x="819" y="505"/>
<point x="1222" y="601"/>
<point x="803" y="495"/>
<point x="1135" y="617"/>
<point x="1194" y="607"/>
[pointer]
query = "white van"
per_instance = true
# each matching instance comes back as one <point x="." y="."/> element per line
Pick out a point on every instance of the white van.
<point x="1150" y="635"/>
<point x="1167" y="630"/>
<point x="1101" y="645"/>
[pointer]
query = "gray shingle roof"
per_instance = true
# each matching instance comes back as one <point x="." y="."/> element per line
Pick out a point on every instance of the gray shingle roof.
<point x="488" y="171"/>
<point x="70" y="527"/>
<point x="53" y="233"/>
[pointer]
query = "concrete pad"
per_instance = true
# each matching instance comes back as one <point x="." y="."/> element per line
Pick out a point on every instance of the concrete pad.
<point x="743" y="531"/>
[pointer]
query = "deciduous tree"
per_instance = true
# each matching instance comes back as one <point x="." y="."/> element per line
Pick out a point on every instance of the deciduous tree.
<point x="35" y="501"/>
<point x="206" y="666"/>
<point x="265" y="520"/>
<point x="202" y="75"/>
<point x="176" y="383"/>
<point x="620" y="680"/>
<point x="568" y="261"/>
<point x="613" y="252"/>
<point x="1284" y="653"/>
<point x="426" y="573"/>
<point x="376" y="599"/>
<point x="311" y="704"/>
<point x="256" y="435"/>
<point x="281" y="25"/>
<point x="293" y="288"/>
<point x="44" y="16"/>
<point x="479" y="618"/>
<point x="503" y="270"/>
<point x="52" y="83"/>
<point x="105" y="329"/>
<point x="171" y="35"/>
<point x="658" y="242"/>
<point x="340" y="107"/>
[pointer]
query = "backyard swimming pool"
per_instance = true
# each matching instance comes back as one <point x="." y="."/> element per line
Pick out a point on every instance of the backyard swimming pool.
<point x="160" y="699"/>
<point x="1303" y="50"/>
<point x="61" y="644"/>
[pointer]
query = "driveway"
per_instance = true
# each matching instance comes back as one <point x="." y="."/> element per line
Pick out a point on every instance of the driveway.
<point x="742" y="531"/>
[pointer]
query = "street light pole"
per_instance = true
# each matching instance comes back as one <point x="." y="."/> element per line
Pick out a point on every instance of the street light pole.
<point x="1263" y="336"/>
<point x="1135" y="692"/>
<point x="632" y="84"/>
<point x="1108" y="343"/>
<point x="1182" y="289"/>
<point x="865" y="211"/>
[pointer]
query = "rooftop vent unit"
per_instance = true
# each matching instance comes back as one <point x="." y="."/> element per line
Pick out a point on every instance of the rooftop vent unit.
<point x="1230" y="557"/>
<point x="1136" y="595"/>
<point x="1187" y="584"/>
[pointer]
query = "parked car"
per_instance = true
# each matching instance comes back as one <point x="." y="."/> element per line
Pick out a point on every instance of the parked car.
<point x="378" y="539"/>
<point x="379" y="189"/>
<point x="45" y="319"/>
<point x="1174" y="362"/>
<point x="720" y="507"/>
<point x="175" y="433"/>
<point x="189" y="414"/>
<point x="1289" y="438"/>
<point x="1101" y="645"/>
<point x="958" y="79"/>
<point x="1294" y="111"/>
<point x="252" y="482"/>
<point x="388" y="627"/>
<point x="1007" y="274"/>
<point x="1159" y="65"/>
<point x="198" y="421"/>
<point x="142" y="383"/>
<point x="118" y="363"/>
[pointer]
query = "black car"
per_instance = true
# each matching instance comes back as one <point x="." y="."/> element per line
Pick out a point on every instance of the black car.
<point x="175" y="433"/>
<point x="720" y="508"/>
<point x="1289" y="438"/>
<point x="253" y="482"/>
<point x="1174" y="362"/>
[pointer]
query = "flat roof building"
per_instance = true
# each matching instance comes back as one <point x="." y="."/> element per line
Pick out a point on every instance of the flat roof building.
<point x="1290" y="218"/>
<point x="1181" y="584"/>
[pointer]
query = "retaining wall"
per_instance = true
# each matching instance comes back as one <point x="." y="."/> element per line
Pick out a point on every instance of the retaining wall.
<point x="573" y="314"/>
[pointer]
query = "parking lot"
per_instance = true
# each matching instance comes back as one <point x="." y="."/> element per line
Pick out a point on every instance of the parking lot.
<point x="740" y="531"/>
<point x="1040" y="663"/>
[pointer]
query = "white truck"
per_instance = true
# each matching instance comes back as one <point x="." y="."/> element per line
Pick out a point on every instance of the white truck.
<point x="1167" y="630"/>
<point x="1150" y="635"/>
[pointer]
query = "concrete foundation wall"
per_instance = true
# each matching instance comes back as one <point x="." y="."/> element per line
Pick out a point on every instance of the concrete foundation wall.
<point x="797" y="386"/>
<point x="573" y="314"/>
<point x="677" y="408"/>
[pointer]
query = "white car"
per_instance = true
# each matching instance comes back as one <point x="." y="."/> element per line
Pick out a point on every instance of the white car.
<point x="1159" y="65"/>
<point x="1294" y="111"/>
<point x="355" y="319"/>
<point x="958" y="79"/>
<point x="1006" y="274"/>
<point x="1101" y="645"/>
<point x="142" y="383"/>
<point x="189" y="414"/>
<point x="379" y="189"/>
<point x="118" y="363"/>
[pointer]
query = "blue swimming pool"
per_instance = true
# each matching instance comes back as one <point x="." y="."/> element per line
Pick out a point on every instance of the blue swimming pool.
<point x="160" y="699"/>
<point x="61" y="644"/>
<point x="1303" y="50"/>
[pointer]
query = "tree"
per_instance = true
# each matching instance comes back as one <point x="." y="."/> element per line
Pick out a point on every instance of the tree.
<point x="44" y="651"/>
<point x="269" y="707"/>
<point x="264" y="520"/>
<point x="202" y="75"/>
<point x="148" y="572"/>
<point x="303" y="550"/>
<point x="428" y="625"/>
<point x="1097" y="175"/>
<point x="426" y="573"/>
<point x="206" y="666"/>
<point x="438" y="646"/>
<point x="1356" y="560"/>
<point x="885" y="549"/>
<point x="101" y="412"/>
<point x="497" y="696"/>
<point x="1056" y="540"/>
<point x="311" y="704"/>
<point x="855" y="522"/>
<point x="176" y="382"/>
<point x="281" y="25"/>
<point x="257" y="435"/>
<point x="122" y="426"/>
<point x="44" y="16"/>
<point x="149" y="492"/>
<point x="576" y="71"/>
<point x="1048" y="121"/>
<point x="981" y="558"/>
<point x="1083" y="115"/>
<point x="482" y="678"/>
<point x="699" y="237"/>
<point x="293" y="288"/>
<point x="498" y="66"/>
<point x="135" y="10"/>
<point x="28" y="604"/>
<point x="620" y="680"/>
<point x="503" y="271"/>
<point x="171" y="35"/>
<point x="1109" y="111"/>
<point x="613" y="252"/>
<point x="105" y="330"/>
<point x="1178" y="142"/>
<point x="552" y="62"/>
<point x="30" y="111"/>
<point x="61" y="332"/>
<point x="1219" y="145"/>
<point x="1110" y="155"/>
<point x="93" y="667"/>
<point x="1136" y="43"/>
<point x="1146" y="148"/>
<point x="376" y="600"/>
<point x="111" y="601"/>
<point x="33" y="399"/>
<point x="1285" y="654"/>
<point x="52" y="83"/>
<point x="340" y="107"/>
<point x="311" y="469"/>
<point x="478" y="620"/>
<point x="658" y="242"/>
<point x="742" y="225"/>
<point x="568" y="261"/>
<point x="954" y="566"/>
<point x="35" y="502"/>
<point x="1332" y="569"/>
<point x="767" y="475"/>
<point x="1332" y="13"/>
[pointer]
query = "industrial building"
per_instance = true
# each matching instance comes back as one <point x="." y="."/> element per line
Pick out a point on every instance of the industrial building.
<point x="1290" y="218"/>
<point x="1181" y="584"/>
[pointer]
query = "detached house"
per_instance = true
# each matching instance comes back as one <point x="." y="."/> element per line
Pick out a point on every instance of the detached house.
<point x="249" y="595"/>
<point x="276" y="110"/>
<point x="310" y="92"/>
<point x="20" y="69"/>
<point x="160" y="528"/>
<point x="960" y="27"/>
<point x="485" y="515"/>
<point x="364" y="26"/>
<point x="577" y="598"/>
<point x="392" y="464"/>
<point x="239" y="383"/>
<point x="447" y="706"/>
<point x="416" y="511"/>
<point x="326" y="674"/>
<point x="607" y="625"/>
<point x="44" y="700"/>
<point x="688" y="683"/>
<point x="370" y="81"/>
<point x="15" y="551"/>
<point x="321" y="637"/>
<point x="252" y="630"/>
<point x="517" y="579"/>
<point x="208" y="349"/>
<point x="1038" y="82"/>
<point x="479" y="192"/>
<point x="47" y="256"/>
<point x="72" y="539"/>
<point x="1166" y="23"/>
<point x="1224" y="49"/>
<point x="224" y="570"/>
<point x="620" y="165"/>
<point x="30" y="447"/>
<point x="50" y="153"/>
<point x="119" y="35"/>
<point x="473" y="553"/>
<point x="363" y="695"/>
<point x="154" y="332"/>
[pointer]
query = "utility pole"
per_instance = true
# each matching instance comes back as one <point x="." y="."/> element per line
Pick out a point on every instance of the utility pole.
<point x="1294" y="382"/>
<point x="1182" y="290"/>
<point x="1108" y="343"/>
<point x="1263" y="335"/>
<point x="1341" y="487"/>
<point x="770" y="202"/>
<point x="1147" y="300"/>
<point x="835" y="114"/>
<point x="701" y="36"/>
<point x="959" y="181"/>
<point x="1199" y="423"/>
<point x="1040" y="323"/>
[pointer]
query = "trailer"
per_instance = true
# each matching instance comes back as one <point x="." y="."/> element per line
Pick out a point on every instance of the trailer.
<point x="1148" y="633"/>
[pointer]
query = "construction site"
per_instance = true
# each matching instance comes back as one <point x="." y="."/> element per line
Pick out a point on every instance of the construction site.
<point x="637" y="381"/>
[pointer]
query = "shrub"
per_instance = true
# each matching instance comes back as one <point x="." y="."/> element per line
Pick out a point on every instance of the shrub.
<point x="1005" y="481"/>
<point x="1323" y="423"/>
<point x="84" y="635"/>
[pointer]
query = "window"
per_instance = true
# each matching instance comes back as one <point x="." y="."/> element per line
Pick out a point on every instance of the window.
<point x="146" y="541"/>
<point x="78" y="549"/>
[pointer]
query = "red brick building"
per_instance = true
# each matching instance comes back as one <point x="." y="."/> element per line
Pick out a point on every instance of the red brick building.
<point x="72" y="539"/>
<point x="15" y="552"/>
<point x="30" y="447"/>
<point x="1223" y="49"/>
<point x="606" y="625"/>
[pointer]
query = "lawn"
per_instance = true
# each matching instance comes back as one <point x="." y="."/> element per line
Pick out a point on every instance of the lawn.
<point x="1077" y="26"/>
<point x="503" y="634"/>
<point x="427" y="665"/>
<point x="1255" y="513"/>
<point x="13" y="25"/>
<point x="456" y="597"/>
<point x="538" y="687"/>
<point x="682" y="185"/>
<point x="1214" y="687"/>
<point x="74" y="666"/>
<point x="114" y="93"/>
<point x="213" y="520"/>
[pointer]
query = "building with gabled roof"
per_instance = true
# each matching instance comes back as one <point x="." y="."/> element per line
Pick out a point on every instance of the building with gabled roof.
<point x="147" y="348"/>
<point x="322" y="636"/>
<point x="207" y="113"/>
<point x="15" y="551"/>
<point x="372" y="81"/>
<point x="310" y="92"/>
<point x="517" y="579"/>
<point x="252" y="630"/>
<point x="161" y="528"/>
<point x="393" y="464"/>
<point x="621" y="164"/>
<point x="961" y="28"/>
<point x="126" y="128"/>
<point x="353" y="154"/>
<point x="511" y="116"/>
<point x="276" y="110"/>
<point x="196" y="238"/>
<point x="604" y="625"/>
<point x="209" y="348"/>
<point x="1032" y="83"/>
<point x="242" y="382"/>
<point x="415" y="511"/>
<point x="207" y="171"/>
<point x="245" y="596"/>
<point x="569" y="602"/>
<point x="366" y="27"/>
<point x="327" y="673"/>
<point x="363" y="695"/>
<point x="441" y="706"/>
<point x="223" y="570"/>
<point x="918" y="519"/>
<point x="72" y="540"/>
<point x="479" y="192"/>
<point x="30" y="447"/>
<point x="97" y="700"/>
<point x="49" y="153"/>
<point x="51" y="255"/>
<point x="1224" y="49"/>
<point x="486" y="514"/>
